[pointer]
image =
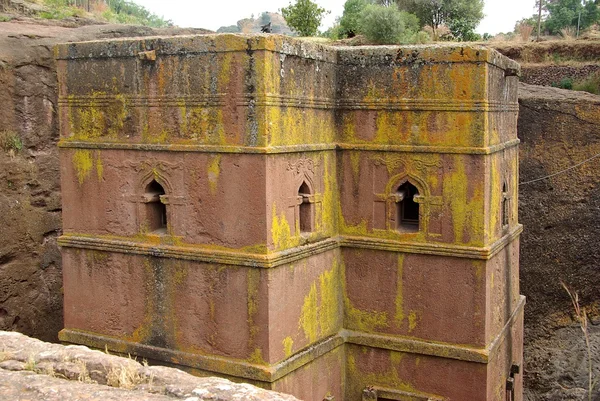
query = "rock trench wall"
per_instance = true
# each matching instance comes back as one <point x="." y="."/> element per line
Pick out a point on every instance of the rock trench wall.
<point x="30" y="203"/>
<point x="559" y="129"/>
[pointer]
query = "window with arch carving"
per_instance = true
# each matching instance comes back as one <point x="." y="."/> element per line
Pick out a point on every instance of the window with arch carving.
<point x="156" y="210"/>
<point x="505" y="206"/>
<point x="407" y="210"/>
<point x="306" y="213"/>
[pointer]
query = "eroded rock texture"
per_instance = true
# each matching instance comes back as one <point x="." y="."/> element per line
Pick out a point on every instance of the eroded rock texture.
<point x="30" y="205"/>
<point x="561" y="214"/>
<point x="34" y="370"/>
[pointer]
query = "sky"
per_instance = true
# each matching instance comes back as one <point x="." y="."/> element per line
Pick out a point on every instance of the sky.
<point x="500" y="15"/>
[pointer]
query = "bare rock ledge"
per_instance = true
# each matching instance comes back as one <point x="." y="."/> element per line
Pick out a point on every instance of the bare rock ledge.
<point x="31" y="369"/>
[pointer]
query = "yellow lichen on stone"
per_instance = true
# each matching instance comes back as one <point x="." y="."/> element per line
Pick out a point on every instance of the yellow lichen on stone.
<point x="83" y="164"/>
<point x="327" y="215"/>
<point x="357" y="319"/>
<point x="399" y="316"/>
<point x="90" y="122"/>
<point x="413" y="319"/>
<point x="214" y="169"/>
<point x="319" y="316"/>
<point x="309" y="313"/>
<point x="257" y="357"/>
<point x="465" y="197"/>
<point x="253" y="282"/>
<point x="329" y="297"/>
<point x="99" y="166"/>
<point x="288" y="346"/>
<point x="367" y="321"/>
<point x="281" y="232"/>
<point x="142" y="333"/>
<point x="495" y="191"/>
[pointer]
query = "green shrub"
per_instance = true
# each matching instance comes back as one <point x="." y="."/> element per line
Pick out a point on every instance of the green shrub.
<point x="334" y="33"/>
<point x="350" y="21"/>
<point x="590" y="84"/>
<point x="565" y="83"/>
<point x="382" y="25"/>
<point x="422" y="37"/>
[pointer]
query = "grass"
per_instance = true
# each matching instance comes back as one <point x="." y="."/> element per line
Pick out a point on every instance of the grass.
<point x="590" y="84"/>
<point x="10" y="142"/>
<point x="84" y="374"/>
<point x="30" y="364"/>
<point x="582" y="319"/>
<point x="128" y="376"/>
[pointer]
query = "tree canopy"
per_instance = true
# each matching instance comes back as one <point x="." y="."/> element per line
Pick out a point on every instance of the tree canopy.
<point x="304" y="17"/>
<point x="570" y="13"/>
<point x="461" y="16"/>
<point x="350" y="21"/>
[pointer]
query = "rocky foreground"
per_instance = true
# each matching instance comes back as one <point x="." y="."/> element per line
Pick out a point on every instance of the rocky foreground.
<point x="31" y="369"/>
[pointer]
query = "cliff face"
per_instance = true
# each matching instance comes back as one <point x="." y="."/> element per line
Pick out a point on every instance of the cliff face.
<point x="30" y="204"/>
<point x="558" y="130"/>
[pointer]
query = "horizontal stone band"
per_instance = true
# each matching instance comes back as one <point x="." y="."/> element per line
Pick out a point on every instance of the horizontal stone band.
<point x="274" y="100"/>
<point x="270" y="373"/>
<point x="202" y="148"/>
<point x="199" y="253"/>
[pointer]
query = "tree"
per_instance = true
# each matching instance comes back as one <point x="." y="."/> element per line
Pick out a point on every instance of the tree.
<point x="350" y="21"/>
<point x="461" y="16"/>
<point x="388" y="25"/>
<point x="304" y="17"/>
<point x="571" y="13"/>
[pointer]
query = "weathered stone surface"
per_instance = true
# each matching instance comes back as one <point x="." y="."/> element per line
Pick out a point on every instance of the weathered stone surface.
<point x="561" y="214"/>
<point x="235" y="222"/>
<point x="549" y="75"/>
<point x="30" y="203"/>
<point x="34" y="370"/>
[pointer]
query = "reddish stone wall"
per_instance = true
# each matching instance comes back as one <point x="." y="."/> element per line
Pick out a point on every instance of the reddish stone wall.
<point x="259" y="223"/>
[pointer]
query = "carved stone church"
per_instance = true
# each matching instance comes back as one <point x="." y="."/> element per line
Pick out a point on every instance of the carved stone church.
<point x="330" y="222"/>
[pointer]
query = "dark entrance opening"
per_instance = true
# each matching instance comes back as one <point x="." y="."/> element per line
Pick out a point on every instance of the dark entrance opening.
<point x="156" y="210"/>
<point x="306" y="209"/>
<point x="407" y="213"/>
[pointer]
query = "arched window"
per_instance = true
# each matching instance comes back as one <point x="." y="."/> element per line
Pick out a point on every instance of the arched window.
<point x="306" y="209"/>
<point x="156" y="210"/>
<point x="407" y="210"/>
<point x="505" y="207"/>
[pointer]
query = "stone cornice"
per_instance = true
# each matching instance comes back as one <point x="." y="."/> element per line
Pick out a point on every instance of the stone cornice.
<point x="201" y="148"/>
<point x="440" y="53"/>
<point x="209" y="254"/>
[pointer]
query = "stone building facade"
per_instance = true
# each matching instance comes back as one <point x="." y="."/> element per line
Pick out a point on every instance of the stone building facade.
<point x="321" y="221"/>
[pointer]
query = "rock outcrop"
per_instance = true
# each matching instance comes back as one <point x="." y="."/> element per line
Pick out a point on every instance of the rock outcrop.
<point x="30" y="204"/>
<point x="34" y="370"/>
<point x="559" y="129"/>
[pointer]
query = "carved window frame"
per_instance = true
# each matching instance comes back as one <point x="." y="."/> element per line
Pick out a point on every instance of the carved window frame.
<point x="424" y="199"/>
<point x="303" y="171"/>
<point x="505" y="206"/>
<point x="169" y="199"/>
